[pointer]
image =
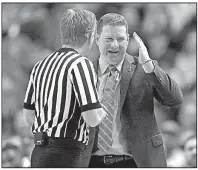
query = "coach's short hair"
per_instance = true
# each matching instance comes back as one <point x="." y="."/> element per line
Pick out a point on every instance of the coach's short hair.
<point x="112" y="19"/>
<point x="75" y="24"/>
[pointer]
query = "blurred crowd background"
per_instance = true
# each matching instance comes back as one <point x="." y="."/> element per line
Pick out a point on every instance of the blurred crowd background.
<point x="30" y="32"/>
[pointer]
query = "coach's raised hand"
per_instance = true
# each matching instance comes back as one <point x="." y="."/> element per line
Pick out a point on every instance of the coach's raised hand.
<point x="143" y="58"/>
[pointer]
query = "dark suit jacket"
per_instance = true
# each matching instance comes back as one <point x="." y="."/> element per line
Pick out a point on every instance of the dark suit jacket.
<point x="138" y="89"/>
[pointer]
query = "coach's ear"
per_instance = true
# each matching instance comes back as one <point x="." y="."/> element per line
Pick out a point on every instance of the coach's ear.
<point x="97" y="39"/>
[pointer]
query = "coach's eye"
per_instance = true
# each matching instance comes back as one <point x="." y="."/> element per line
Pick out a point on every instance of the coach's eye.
<point x="109" y="39"/>
<point x="120" y="39"/>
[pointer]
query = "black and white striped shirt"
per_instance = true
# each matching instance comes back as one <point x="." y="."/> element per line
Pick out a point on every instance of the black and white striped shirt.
<point x="61" y="87"/>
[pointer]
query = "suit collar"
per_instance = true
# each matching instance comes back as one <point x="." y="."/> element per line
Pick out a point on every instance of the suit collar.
<point x="103" y="65"/>
<point x="128" y="61"/>
<point x="128" y="68"/>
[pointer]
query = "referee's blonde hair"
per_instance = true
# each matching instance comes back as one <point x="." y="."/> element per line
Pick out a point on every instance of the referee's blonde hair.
<point x="75" y="25"/>
<point x="112" y="19"/>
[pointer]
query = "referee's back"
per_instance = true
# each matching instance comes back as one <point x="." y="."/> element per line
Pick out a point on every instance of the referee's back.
<point x="61" y="100"/>
<point x="60" y="88"/>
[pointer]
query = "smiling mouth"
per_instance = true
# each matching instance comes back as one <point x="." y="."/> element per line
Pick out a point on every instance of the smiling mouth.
<point x="113" y="52"/>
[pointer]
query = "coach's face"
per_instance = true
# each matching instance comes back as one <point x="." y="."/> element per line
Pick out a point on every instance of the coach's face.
<point x="112" y="43"/>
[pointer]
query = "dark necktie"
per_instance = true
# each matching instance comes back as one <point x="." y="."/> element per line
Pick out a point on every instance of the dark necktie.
<point x="108" y="100"/>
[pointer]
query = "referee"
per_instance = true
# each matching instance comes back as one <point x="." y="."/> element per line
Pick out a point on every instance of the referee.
<point x="61" y="100"/>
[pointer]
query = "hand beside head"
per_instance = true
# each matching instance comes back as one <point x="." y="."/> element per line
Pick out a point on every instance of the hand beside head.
<point x="112" y="39"/>
<point x="78" y="28"/>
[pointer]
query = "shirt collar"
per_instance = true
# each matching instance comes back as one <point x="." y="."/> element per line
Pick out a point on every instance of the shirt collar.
<point x="104" y="65"/>
<point x="65" y="49"/>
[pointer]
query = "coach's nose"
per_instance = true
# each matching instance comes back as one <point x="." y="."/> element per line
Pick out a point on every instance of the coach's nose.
<point x="115" y="44"/>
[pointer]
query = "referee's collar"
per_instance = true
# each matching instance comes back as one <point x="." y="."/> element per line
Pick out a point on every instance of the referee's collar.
<point x="64" y="49"/>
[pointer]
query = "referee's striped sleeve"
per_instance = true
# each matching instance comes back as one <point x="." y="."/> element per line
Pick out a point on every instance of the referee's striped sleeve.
<point x="29" y="101"/>
<point x="83" y="77"/>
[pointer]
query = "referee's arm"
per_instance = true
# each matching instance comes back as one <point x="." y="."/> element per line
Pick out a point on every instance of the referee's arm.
<point x="29" y="107"/>
<point x="84" y="80"/>
<point x="29" y="116"/>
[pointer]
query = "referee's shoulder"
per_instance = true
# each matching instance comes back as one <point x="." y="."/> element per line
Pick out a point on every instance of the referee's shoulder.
<point x="80" y="58"/>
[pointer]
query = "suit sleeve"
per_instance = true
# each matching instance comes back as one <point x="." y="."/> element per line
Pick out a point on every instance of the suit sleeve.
<point x="83" y="78"/>
<point x="166" y="90"/>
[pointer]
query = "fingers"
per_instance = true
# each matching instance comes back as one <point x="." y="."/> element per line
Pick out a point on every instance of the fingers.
<point x="138" y="40"/>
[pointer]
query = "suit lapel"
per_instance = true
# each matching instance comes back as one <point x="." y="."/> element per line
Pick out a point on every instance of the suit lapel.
<point x="128" y="68"/>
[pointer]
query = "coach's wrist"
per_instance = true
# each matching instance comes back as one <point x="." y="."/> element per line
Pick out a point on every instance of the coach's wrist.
<point x="148" y="66"/>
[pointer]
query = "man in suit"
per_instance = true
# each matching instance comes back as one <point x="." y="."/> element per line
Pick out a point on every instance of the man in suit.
<point x="127" y="85"/>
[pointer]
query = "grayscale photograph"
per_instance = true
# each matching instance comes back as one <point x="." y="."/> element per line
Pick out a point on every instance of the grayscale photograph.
<point x="99" y="85"/>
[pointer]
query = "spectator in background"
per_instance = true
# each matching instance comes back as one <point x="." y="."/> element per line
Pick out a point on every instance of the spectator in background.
<point x="12" y="152"/>
<point x="189" y="146"/>
<point x="170" y="132"/>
